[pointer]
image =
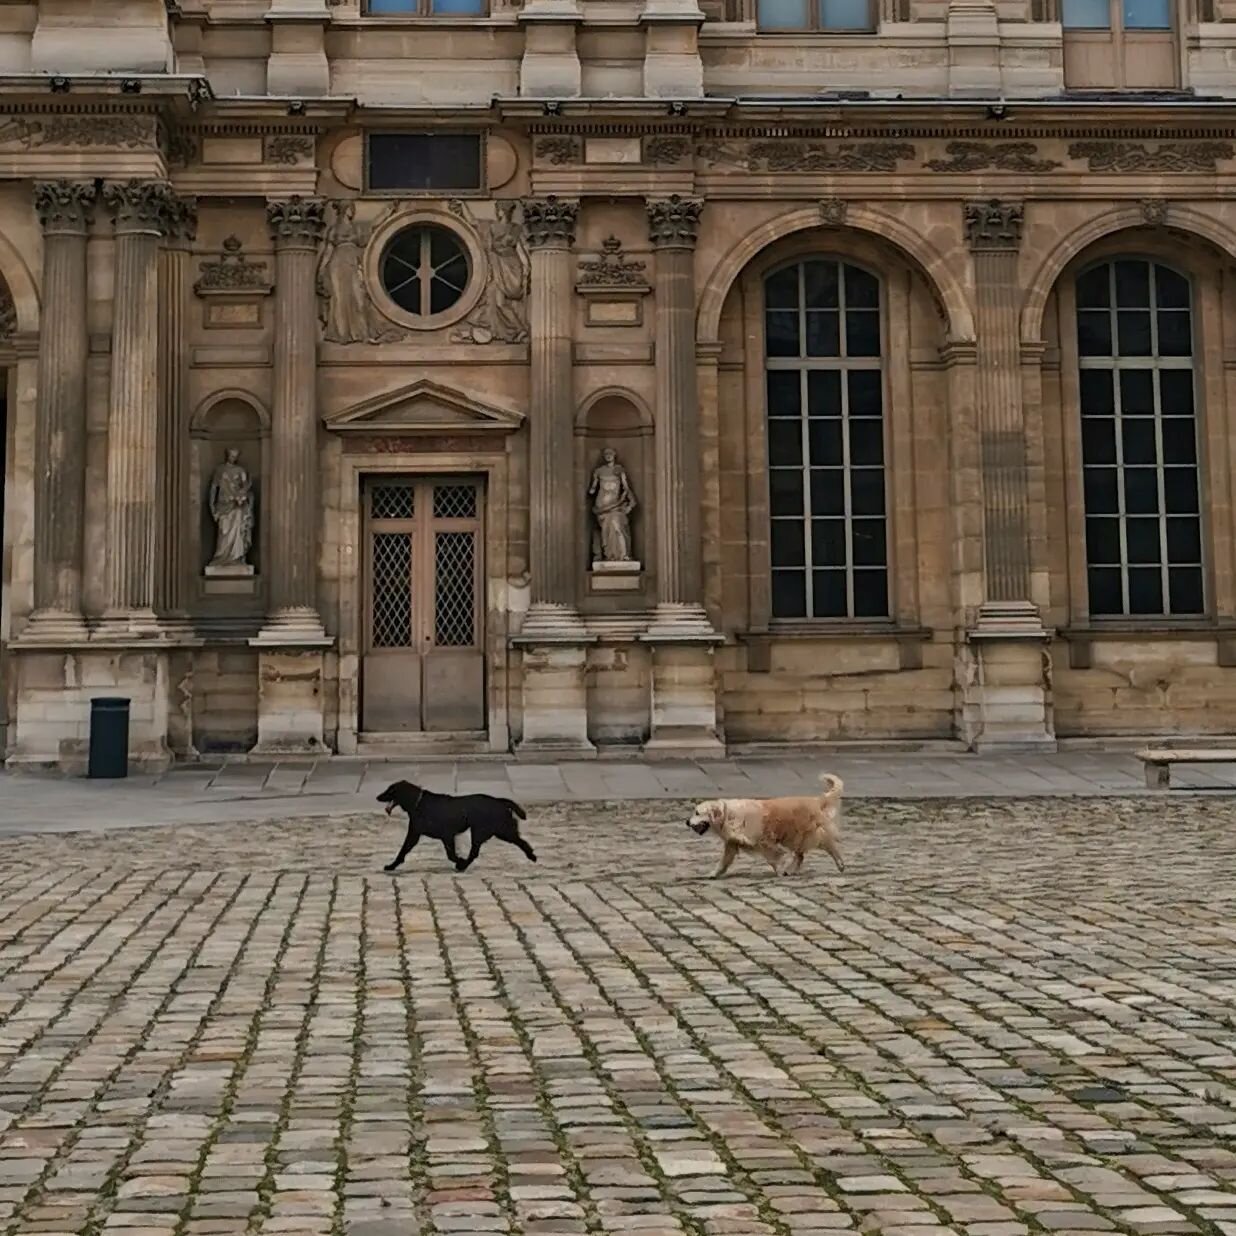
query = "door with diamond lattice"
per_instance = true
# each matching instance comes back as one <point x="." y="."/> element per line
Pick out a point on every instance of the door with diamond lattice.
<point x="423" y="667"/>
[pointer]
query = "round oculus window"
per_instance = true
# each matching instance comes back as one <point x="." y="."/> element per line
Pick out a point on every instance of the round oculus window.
<point x="424" y="269"/>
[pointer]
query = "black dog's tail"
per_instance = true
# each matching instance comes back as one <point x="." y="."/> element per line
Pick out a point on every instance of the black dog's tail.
<point x="515" y="808"/>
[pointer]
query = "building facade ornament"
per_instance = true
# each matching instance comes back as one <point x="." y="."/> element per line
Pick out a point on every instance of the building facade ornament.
<point x="994" y="224"/>
<point x="125" y="132"/>
<point x="613" y="500"/>
<point x="1137" y="157"/>
<point x="806" y="156"/>
<point x="182" y="218"/>
<point x="287" y="148"/>
<point x="296" y="222"/>
<point x="559" y="150"/>
<point x="611" y="268"/>
<point x="833" y="212"/>
<point x="231" y="507"/>
<point x="232" y="271"/>
<point x="65" y="205"/>
<point x="502" y="316"/>
<point x="345" y="305"/>
<point x="8" y="313"/>
<point x="674" y="222"/>
<point x="1154" y="212"/>
<point x="666" y="151"/>
<point x="993" y="156"/>
<point x="549" y="222"/>
<point x="141" y="205"/>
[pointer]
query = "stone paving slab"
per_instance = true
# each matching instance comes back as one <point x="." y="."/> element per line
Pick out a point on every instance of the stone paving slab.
<point x="1007" y="1017"/>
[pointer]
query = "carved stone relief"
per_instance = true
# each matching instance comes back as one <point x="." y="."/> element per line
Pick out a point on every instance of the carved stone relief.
<point x="345" y="308"/>
<point x="231" y="502"/>
<point x="126" y="132"/>
<point x="559" y="150"/>
<point x="8" y="313"/>
<point x="613" y="500"/>
<point x="806" y="156"/>
<point x="1133" y="157"/>
<point x="1154" y="212"/>
<point x="232" y="271"/>
<point x="994" y="224"/>
<point x="993" y="156"/>
<point x="64" y="205"/>
<point x="502" y="314"/>
<point x="674" y="222"/>
<point x="666" y="151"/>
<point x="833" y="212"/>
<point x="287" y="148"/>
<point x="611" y="268"/>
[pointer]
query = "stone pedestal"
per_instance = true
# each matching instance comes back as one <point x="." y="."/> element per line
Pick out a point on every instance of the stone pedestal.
<point x="1006" y="694"/>
<point x="684" y="702"/>
<point x="291" y="698"/>
<point x="615" y="577"/>
<point x="555" y="700"/>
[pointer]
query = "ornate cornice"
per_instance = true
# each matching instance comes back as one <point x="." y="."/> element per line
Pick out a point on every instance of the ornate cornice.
<point x="141" y="205"/>
<point x="674" y="222"/>
<point x="296" y="222"/>
<point x="549" y="222"/>
<point x="994" y="225"/>
<point x="65" y="206"/>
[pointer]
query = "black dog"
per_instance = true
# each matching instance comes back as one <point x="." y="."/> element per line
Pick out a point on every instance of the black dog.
<point x="444" y="816"/>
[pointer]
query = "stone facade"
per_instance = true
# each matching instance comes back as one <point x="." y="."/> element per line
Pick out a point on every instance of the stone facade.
<point x="918" y="354"/>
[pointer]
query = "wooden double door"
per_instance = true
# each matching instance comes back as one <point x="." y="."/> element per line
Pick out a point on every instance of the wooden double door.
<point x="423" y="663"/>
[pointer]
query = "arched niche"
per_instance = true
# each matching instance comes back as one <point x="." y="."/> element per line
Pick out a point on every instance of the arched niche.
<point x="620" y="420"/>
<point x="228" y="420"/>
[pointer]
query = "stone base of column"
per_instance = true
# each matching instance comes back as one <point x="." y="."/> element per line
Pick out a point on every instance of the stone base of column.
<point x="53" y="628"/>
<point x="680" y="624"/>
<point x="291" y="699"/>
<point x="1004" y="696"/>
<point x="555" y="699"/>
<point x="51" y="728"/>
<point x="291" y="628"/>
<point x="684" y="701"/>
<point x="128" y="626"/>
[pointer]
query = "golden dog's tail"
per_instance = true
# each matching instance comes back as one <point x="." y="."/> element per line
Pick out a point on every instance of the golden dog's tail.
<point x="833" y="785"/>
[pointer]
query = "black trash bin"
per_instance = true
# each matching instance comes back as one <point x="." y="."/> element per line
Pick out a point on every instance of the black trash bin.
<point x="109" y="738"/>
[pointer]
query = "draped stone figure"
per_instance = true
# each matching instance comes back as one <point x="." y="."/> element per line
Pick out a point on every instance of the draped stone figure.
<point x="231" y="507"/>
<point x="345" y="307"/>
<point x="613" y="500"/>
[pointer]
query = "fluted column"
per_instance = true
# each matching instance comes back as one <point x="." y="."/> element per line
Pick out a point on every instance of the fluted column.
<point x="549" y="229"/>
<point x="994" y="232"/>
<point x="64" y="209"/>
<point x="673" y="227"/>
<point x="141" y="210"/>
<point x="296" y="226"/>
<point x="175" y="509"/>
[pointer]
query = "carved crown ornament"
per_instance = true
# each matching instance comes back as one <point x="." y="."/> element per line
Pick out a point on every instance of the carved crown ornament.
<point x="232" y="272"/>
<point x="612" y="270"/>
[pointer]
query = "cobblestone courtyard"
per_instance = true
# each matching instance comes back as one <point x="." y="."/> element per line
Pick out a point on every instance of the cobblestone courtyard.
<point x="1006" y="1017"/>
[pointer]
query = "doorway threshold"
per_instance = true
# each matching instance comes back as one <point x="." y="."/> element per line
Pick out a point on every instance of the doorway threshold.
<point x="398" y="746"/>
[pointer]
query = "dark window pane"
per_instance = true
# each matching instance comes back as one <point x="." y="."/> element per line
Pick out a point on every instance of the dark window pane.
<point x="784" y="393"/>
<point x="785" y="491"/>
<point x="1094" y="332"/>
<point x="1184" y="540"/>
<point x="824" y="392"/>
<point x="1141" y="491"/>
<point x="781" y="289"/>
<point x="1137" y="392"/>
<point x="824" y="438"/>
<point x="866" y="392"/>
<point x="1098" y="396"/>
<point x="789" y="594"/>
<point x="1102" y="541"/>
<point x="1171" y="289"/>
<point x="1175" y="333"/>
<point x="1094" y="288"/>
<point x="1179" y="440"/>
<point x="442" y="295"/>
<point x="862" y="333"/>
<point x="788" y="543"/>
<point x="1176" y="392"/>
<point x="820" y="285"/>
<point x="866" y="491"/>
<point x="1185" y="590"/>
<point x="870" y="544"/>
<point x="782" y="333"/>
<point x="785" y="443"/>
<point x="1145" y="590"/>
<point x="828" y="542"/>
<point x="866" y="442"/>
<point x="823" y="338"/>
<point x="1142" y="538"/>
<point x="1104" y="587"/>
<point x="827" y="491"/>
<point x="1101" y="492"/>
<point x="871" y="594"/>
<point x="1180" y="490"/>
<point x="1099" y="440"/>
<point x="1133" y="329"/>
<point x="424" y="161"/>
<point x="829" y="594"/>
<point x="862" y="291"/>
<point x="1133" y="285"/>
<point x="1138" y="440"/>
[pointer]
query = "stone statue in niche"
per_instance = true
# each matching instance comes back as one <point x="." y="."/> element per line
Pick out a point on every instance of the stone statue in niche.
<point x="345" y="307"/>
<point x="231" y="507"/>
<point x="613" y="500"/>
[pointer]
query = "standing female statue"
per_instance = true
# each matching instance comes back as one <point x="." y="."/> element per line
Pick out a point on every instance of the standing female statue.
<point x="345" y="312"/>
<point x="613" y="502"/>
<point x="231" y="507"/>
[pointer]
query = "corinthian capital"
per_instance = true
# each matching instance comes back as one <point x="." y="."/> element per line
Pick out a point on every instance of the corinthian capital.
<point x="994" y="225"/>
<point x="182" y="218"/>
<point x="296" y="222"/>
<point x="549" y="222"/>
<point x="674" y="222"/>
<point x="64" y="205"/>
<point x="140" y="205"/>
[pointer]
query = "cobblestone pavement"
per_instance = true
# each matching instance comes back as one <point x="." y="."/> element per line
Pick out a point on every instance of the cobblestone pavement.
<point x="1007" y="1017"/>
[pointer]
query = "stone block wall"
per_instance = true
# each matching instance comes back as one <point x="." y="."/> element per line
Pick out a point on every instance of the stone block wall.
<point x="225" y="700"/>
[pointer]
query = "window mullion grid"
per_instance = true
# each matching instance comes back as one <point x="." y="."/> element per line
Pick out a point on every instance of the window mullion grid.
<point x="1160" y="472"/>
<point x="847" y="487"/>
<point x="1122" y="516"/>
<point x="804" y="427"/>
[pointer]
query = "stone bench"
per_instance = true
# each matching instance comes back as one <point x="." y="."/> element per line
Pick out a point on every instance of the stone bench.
<point x="1159" y="761"/>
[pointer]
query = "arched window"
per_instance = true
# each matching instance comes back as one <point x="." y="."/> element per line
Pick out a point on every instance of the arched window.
<point x="825" y="395"/>
<point x="1139" y="440"/>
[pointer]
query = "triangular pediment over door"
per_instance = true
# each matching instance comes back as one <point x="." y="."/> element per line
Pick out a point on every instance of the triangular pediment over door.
<point x="423" y="407"/>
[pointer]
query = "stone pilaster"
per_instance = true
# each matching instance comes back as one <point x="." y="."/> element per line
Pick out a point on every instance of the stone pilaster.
<point x="175" y="508"/>
<point x="673" y="68"/>
<point x="296" y="225"/>
<point x="142" y="211"/>
<point x="684" y="704"/>
<point x="972" y="31"/>
<point x="64" y="209"/>
<point x="1007" y="689"/>
<point x="550" y="68"/>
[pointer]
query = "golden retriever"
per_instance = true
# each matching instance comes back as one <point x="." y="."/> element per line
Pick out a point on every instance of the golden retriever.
<point x="774" y="827"/>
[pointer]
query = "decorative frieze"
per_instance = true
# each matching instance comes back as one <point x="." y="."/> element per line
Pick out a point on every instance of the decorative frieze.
<point x="180" y="149"/>
<point x="806" y="156"/>
<point x="674" y="222"/>
<point x="666" y="151"/>
<point x="122" y="131"/>
<point x="559" y="150"/>
<point x="994" y="224"/>
<point x="288" y="148"/>
<point x="65" y="206"/>
<point x="141" y="205"/>
<point x="297" y="222"/>
<point x="1138" y="157"/>
<point x="549" y="223"/>
<point x="992" y="156"/>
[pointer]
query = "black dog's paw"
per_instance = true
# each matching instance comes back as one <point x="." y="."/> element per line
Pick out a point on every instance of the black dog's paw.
<point x="392" y="867"/>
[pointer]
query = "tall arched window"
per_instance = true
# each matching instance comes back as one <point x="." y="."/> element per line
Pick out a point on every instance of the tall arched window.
<point x="1139" y="440"/>
<point x="825" y="396"/>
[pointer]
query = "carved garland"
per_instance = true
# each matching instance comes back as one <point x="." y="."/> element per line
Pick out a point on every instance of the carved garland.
<point x="287" y="148"/>
<point x="804" y="156"/>
<point x="1002" y="157"/>
<point x="126" y="132"/>
<point x="1135" y="157"/>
